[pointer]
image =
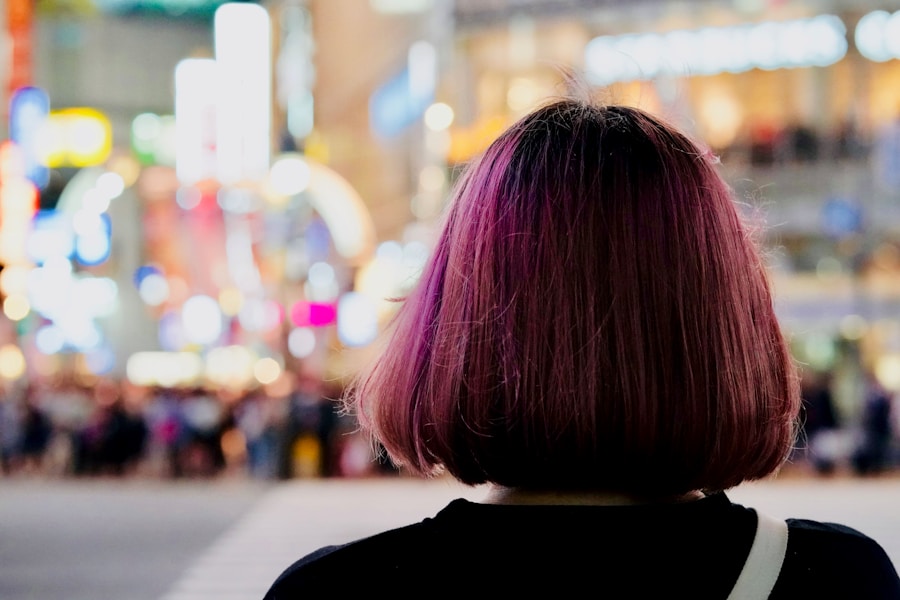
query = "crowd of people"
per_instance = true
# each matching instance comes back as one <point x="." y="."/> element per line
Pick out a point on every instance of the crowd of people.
<point x="63" y="427"/>
<point x="863" y="441"/>
<point x="66" y="428"/>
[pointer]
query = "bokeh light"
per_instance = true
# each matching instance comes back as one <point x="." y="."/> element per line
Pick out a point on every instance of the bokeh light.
<point x="201" y="319"/>
<point x="230" y="366"/>
<point x="439" y="116"/>
<point x="266" y="370"/>
<point x="231" y="300"/>
<point x="289" y="175"/>
<point x="357" y="323"/>
<point x="12" y="362"/>
<point x="301" y="342"/>
<point x="49" y="339"/>
<point x="16" y="307"/>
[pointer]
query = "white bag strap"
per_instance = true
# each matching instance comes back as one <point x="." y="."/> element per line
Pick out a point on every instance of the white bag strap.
<point x="764" y="561"/>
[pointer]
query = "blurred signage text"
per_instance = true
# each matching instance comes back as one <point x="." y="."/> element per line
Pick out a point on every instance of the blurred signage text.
<point x="815" y="42"/>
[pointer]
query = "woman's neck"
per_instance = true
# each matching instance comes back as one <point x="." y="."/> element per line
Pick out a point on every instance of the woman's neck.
<point x="504" y="495"/>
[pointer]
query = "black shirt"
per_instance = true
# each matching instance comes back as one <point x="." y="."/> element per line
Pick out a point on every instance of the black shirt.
<point x="687" y="550"/>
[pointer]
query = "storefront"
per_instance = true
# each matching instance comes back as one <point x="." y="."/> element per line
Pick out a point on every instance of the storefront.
<point x="795" y="98"/>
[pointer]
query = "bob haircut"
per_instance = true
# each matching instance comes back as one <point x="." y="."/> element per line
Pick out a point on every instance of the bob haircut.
<point x="594" y="316"/>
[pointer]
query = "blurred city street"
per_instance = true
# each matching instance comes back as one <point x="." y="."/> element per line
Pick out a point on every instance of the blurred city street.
<point x="209" y="208"/>
<point x="228" y="539"/>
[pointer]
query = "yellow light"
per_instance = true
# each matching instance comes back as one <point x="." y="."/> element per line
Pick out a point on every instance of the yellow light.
<point x="465" y="143"/>
<point x="14" y="279"/>
<point x="431" y="178"/>
<point x="125" y="167"/>
<point x="12" y="362"/>
<point x="887" y="371"/>
<point x="230" y="366"/>
<point x="523" y="93"/>
<point x="77" y="137"/>
<point x="231" y="300"/>
<point x="316" y="148"/>
<point x="164" y="368"/>
<point x="16" y="307"/>
<point x="722" y="117"/>
<point x="266" y="370"/>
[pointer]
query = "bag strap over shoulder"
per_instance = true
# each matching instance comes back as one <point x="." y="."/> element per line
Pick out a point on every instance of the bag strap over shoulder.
<point x="764" y="561"/>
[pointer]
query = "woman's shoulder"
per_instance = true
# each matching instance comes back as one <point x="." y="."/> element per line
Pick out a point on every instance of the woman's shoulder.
<point x="335" y="568"/>
<point x="835" y="561"/>
<point x="833" y="539"/>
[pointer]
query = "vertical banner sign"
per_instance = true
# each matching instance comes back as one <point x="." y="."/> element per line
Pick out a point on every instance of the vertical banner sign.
<point x="195" y="120"/>
<point x="244" y="116"/>
<point x="19" y="18"/>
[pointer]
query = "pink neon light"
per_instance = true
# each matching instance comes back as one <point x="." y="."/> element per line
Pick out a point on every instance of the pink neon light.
<point x="313" y="314"/>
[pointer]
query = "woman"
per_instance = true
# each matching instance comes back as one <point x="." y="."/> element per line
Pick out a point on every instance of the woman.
<point x="594" y="337"/>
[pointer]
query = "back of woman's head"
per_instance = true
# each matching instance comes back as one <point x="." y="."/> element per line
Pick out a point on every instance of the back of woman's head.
<point x="595" y="315"/>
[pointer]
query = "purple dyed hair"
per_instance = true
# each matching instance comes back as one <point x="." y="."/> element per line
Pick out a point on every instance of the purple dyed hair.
<point x="595" y="316"/>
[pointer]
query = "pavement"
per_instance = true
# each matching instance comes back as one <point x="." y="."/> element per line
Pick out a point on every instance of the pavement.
<point x="299" y="517"/>
<point x="107" y="539"/>
<point x="228" y="540"/>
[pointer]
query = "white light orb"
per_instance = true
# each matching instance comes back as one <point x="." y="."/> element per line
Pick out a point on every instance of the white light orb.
<point x="201" y="318"/>
<point x="154" y="289"/>
<point x="321" y="274"/>
<point x="439" y="116"/>
<point x="301" y="342"/>
<point x="49" y="339"/>
<point x="357" y="323"/>
<point x="289" y="175"/>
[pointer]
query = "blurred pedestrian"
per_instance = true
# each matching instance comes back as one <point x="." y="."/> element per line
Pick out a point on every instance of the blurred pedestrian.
<point x="37" y="431"/>
<point x="204" y="420"/>
<point x="819" y="440"/>
<point x="873" y="452"/>
<point x="886" y="154"/>
<point x="114" y="438"/>
<point x="10" y="432"/>
<point x="258" y="422"/>
<point x="305" y="447"/>
<point x="594" y="337"/>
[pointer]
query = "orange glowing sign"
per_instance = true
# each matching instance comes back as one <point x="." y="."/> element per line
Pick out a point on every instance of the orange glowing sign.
<point x="19" y="23"/>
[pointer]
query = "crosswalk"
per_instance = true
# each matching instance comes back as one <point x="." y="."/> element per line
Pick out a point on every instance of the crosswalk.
<point x="298" y="517"/>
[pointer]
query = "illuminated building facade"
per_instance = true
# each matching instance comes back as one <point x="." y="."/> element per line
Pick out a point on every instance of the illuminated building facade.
<point x="378" y="101"/>
<point x="801" y="101"/>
